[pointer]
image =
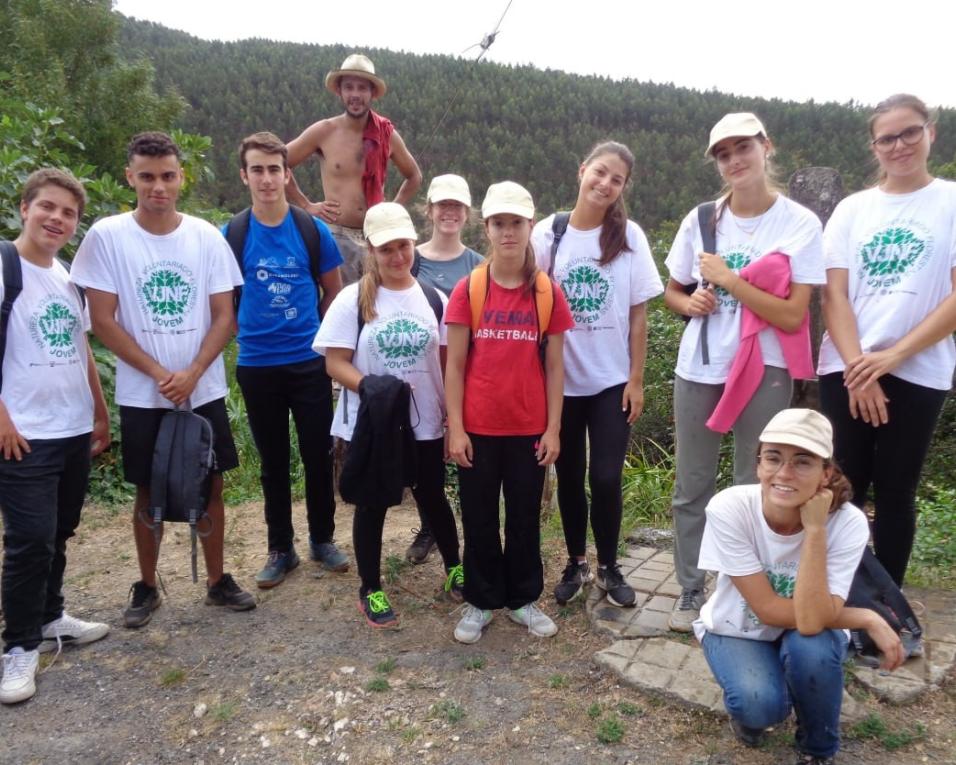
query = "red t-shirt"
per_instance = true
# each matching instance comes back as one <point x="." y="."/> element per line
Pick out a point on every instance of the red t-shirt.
<point x="504" y="379"/>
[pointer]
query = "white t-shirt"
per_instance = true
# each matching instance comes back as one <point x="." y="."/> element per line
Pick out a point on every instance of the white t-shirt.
<point x="163" y="284"/>
<point x="786" y="227"/>
<point x="596" y="350"/>
<point x="899" y="251"/>
<point x="403" y="341"/>
<point x="738" y="542"/>
<point x="45" y="385"/>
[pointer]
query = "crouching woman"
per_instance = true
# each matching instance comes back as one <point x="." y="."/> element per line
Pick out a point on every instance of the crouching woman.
<point x="786" y="550"/>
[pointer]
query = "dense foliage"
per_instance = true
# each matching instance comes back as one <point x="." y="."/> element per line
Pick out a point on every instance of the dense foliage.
<point x="502" y="121"/>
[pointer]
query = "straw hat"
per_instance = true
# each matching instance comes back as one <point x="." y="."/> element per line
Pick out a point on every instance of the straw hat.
<point x="356" y="65"/>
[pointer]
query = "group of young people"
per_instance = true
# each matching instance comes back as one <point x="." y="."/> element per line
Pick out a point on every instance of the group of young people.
<point x="531" y="356"/>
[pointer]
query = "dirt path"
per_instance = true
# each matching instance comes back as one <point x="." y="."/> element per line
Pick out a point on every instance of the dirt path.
<point x="302" y="680"/>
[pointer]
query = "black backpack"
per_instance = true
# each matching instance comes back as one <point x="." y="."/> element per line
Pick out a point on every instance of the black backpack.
<point x="183" y="463"/>
<point x="238" y="228"/>
<point x="12" y="287"/>
<point x="875" y="589"/>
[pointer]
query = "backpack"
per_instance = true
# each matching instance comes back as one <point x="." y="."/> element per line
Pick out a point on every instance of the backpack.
<point x="13" y="286"/>
<point x="478" y="287"/>
<point x="183" y="463"/>
<point x="875" y="589"/>
<point x="238" y="228"/>
<point x="559" y="225"/>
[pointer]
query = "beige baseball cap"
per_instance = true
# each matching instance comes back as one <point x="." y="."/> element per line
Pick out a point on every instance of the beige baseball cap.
<point x="356" y="65"/>
<point x="805" y="428"/>
<point x="444" y="188"/>
<point x="386" y="222"/>
<point x="509" y="198"/>
<point x="737" y="125"/>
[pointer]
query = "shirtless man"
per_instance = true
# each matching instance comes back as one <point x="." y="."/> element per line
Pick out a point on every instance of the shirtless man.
<point x="353" y="150"/>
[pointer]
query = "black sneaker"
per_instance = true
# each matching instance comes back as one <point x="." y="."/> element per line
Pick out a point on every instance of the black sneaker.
<point x="143" y="600"/>
<point x="227" y="593"/>
<point x="421" y="547"/>
<point x="809" y="759"/>
<point x="619" y="592"/>
<point x="376" y="609"/>
<point x="748" y="736"/>
<point x="576" y="575"/>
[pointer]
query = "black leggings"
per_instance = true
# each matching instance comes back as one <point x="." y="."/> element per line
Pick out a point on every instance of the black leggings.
<point x="890" y="457"/>
<point x="429" y="493"/>
<point x="600" y="417"/>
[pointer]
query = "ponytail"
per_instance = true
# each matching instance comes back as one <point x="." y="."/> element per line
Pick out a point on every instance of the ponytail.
<point x="369" y="283"/>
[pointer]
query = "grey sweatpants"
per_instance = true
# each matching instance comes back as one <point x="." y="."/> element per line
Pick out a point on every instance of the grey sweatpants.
<point x="698" y="449"/>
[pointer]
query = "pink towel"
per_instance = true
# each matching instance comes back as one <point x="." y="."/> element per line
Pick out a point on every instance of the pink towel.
<point x="772" y="274"/>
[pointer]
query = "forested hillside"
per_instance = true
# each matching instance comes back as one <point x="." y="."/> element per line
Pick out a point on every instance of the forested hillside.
<point x="502" y="122"/>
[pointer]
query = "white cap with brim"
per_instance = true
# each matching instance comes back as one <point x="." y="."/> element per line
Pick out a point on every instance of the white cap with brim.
<point x="507" y="198"/>
<point x="386" y="222"/>
<point x="356" y="65"/>
<point x="804" y="428"/>
<point x="449" y="188"/>
<point x="737" y="125"/>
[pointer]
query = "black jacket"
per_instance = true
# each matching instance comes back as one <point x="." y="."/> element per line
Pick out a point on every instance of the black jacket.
<point x="380" y="461"/>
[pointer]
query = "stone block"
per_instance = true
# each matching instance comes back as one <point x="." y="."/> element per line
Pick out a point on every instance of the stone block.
<point x="660" y="603"/>
<point x="672" y="589"/>
<point x="613" y="662"/>
<point x="656" y="565"/>
<point x="642" y="584"/>
<point x="696" y="664"/>
<point x="898" y="687"/>
<point x="652" y="575"/>
<point x="625" y="648"/>
<point x="663" y="653"/>
<point x="695" y="691"/>
<point x="648" y="676"/>
<point x="652" y="622"/>
<point x="665" y="557"/>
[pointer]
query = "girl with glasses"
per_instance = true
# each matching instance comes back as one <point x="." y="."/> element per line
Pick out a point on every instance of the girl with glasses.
<point x="786" y="550"/>
<point x="887" y="358"/>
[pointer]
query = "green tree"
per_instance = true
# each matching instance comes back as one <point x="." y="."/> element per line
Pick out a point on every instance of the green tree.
<point x="64" y="55"/>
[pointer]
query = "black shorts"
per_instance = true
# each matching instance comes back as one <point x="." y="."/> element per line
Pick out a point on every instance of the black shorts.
<point x="139" y="428"/>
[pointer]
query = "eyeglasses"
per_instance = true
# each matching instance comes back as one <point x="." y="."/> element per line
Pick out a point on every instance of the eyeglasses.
<point x="803" y="464"/>
<point x="910" y="137"/>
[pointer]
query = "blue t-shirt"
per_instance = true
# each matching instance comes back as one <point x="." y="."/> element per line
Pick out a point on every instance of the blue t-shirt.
<point x="278" y="315"/>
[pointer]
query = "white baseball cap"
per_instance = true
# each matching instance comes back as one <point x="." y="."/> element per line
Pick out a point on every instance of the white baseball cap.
<point x="386" y="222"/>
<point x="805" y="428"/>
<point x="449" y="188"/>
<point x="509" y="198"/>
<point x="737" y="125"/>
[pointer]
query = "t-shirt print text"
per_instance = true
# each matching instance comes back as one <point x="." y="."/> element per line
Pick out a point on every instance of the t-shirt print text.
<point x="521" y="326"/>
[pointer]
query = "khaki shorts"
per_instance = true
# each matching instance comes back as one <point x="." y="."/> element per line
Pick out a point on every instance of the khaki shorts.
<point x="352" y="248"/>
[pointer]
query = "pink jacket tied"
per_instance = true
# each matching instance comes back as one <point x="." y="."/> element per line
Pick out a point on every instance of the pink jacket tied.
<point x="771" y="273"/>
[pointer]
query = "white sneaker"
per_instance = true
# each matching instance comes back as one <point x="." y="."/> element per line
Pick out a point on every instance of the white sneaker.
<point x="19" y="675"/>
<point x="70" y="630"/>
<point x="471" y="624"/>
<point x="537" y="622"/>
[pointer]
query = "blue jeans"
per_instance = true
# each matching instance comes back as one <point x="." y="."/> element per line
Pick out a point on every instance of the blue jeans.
<point x="763" y="679"/>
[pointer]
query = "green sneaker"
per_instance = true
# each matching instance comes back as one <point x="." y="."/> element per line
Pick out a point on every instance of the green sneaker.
<point x="455" y="583"/>
<point x="376" y="609"/>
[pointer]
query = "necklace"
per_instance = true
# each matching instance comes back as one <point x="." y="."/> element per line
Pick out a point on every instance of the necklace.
<point x="747" y="231"/>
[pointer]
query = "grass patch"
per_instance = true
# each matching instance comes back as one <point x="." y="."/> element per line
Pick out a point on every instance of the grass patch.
<point x="386" y="666"/>
<point x="628" y="709"/>
<point x="933" y="563"/>
<point x="224" y="711"/>
<point x="449" y="710"/>
<point x="172" y="677"/>
<point x="377" y="684"/>
<point x="558" y="681"/>
<point x="873" y="727"/>
<point x="410" y="734"/>
<point x="610" y="730"/>
<point x="394" y="565"/>
<point x="594" y="711"/>
<point x="474" y="663"/>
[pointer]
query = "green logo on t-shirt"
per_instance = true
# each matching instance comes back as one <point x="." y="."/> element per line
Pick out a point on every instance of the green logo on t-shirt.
<point x="53" y="327"/>
<point x="891" y="254"/>
<point x="166" y="293"/>
<point x="587" y="289"/>
<point x="400" y="341"/>
<point x="782" y="584"/>
<point x="736" y="260"/>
